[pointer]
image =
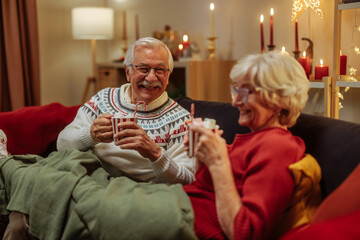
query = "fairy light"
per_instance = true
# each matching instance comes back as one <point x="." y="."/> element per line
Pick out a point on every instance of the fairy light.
<point x="352" y="71"/>
<point x="340" y="105"/>
<point x="299" y="6"/>
<point x="356" y="50"/>
<point x="340" y="95"/>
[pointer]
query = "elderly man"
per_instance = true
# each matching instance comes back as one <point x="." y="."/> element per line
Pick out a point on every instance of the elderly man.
<point x="151" y="149"/>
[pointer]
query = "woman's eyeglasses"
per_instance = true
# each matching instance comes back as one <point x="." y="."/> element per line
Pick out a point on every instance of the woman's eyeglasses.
<point x="145" y="70"/>
<point x="241" y="93"/>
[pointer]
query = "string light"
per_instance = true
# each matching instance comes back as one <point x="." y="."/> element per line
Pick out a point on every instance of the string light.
<point x="300" y="5"/>
<point x="351" y="69"/>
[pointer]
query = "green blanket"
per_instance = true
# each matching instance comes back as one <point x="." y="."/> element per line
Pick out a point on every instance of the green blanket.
<point x="69" y="196"/>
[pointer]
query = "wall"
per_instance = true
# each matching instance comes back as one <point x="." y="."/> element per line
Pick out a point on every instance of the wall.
<point x="65" y="63"/>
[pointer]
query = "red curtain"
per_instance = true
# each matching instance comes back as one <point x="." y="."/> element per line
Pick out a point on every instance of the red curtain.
<point x="19" y="58"/>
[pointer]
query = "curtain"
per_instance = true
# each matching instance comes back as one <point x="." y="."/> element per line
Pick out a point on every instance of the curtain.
<point x="19" y="58"/>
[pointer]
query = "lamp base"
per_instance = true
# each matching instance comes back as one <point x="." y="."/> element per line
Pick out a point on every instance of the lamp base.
<point x="90" y="80"/>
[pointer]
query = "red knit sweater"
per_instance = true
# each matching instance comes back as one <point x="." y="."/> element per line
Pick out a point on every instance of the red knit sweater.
<point x="260" y="163"/>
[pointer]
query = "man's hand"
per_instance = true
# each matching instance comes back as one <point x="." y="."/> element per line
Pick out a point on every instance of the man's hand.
<point x="101" y="130"/>
<point x="134" y="137"/>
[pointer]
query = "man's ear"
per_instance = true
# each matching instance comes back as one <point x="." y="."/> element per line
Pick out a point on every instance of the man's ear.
<point x="127" y="73"/>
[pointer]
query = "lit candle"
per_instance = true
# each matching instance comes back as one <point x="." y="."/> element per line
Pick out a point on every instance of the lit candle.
<point x="343" y="63"/>
<point x="262" y="33"/>
<point x="283" y="49"/>
<point x="137" y="33"/>
<point x="321" y="70"/>
<point x="124" y="25"/>
<point x="179" y="53"/>
<point x="271" y="27"/>
<point x="185" y="42"/>
<point x="296" y="37"/>
<point x="305" y="63"/>
<point x="212" y="8"/>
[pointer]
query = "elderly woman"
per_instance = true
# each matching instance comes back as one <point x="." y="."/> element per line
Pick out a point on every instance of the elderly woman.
<point x="241" y="190"/>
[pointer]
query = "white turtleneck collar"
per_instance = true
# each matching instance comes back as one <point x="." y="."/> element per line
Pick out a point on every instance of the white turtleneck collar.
<point x="125" y="99"/>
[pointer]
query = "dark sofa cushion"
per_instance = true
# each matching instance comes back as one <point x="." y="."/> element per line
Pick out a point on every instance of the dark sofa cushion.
<point x="225" y="114"/>
<point x="334" y="143"/>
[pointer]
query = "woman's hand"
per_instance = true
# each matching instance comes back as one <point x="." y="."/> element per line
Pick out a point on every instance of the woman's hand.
<point x="101" y="130"/>
<point x="211" y="149"/>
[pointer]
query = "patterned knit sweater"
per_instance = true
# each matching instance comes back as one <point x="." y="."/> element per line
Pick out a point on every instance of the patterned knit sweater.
<point x="163" y="120"/>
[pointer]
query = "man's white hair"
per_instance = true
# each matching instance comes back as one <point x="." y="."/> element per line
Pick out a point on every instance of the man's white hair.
<point x="148" y="41"/>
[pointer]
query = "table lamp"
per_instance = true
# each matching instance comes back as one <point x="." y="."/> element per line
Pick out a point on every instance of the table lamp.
<point x="92" y="23"/>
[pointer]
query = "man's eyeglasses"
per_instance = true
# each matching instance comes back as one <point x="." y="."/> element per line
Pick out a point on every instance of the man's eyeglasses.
<point x="242" y="93"/>
<point x="144" y="70"/>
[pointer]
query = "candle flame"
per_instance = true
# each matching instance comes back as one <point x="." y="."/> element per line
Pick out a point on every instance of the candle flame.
<point x="304" y="54"/>
<point x="272" y="12"/>
<point x="212" y="6"/>
<point x="185" y="38"/>
<point x="262" y="18"/>
<point x="283" y="49"/>
<point x="321" y="62"/>
<point x="181" y="46"/>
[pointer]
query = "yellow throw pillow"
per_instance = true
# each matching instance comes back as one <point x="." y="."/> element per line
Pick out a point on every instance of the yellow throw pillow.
<point x="306" y="196"/>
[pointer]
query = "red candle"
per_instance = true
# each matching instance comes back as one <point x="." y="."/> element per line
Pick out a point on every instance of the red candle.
<point x="179" y="51"/>
<point x="296" y="37"/>
<point x="321" y="70"/>
<point x="343" y="63"/>
<point x="305" y="63"/>
<point x="271" y="27"/>
<point x="262" y="33"/>
<point x="124" y="25"/>
<point x="137" y="34"/>
<point x="185" y="41"/>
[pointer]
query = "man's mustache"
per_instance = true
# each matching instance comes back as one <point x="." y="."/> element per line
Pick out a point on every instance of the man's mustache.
<point x="146" y="83"/>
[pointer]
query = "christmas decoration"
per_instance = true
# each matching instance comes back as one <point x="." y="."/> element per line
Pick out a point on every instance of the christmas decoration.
<point x="300" y="5"/>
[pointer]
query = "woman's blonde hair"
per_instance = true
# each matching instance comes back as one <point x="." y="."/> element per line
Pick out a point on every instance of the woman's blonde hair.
<point x="282" y="81"/>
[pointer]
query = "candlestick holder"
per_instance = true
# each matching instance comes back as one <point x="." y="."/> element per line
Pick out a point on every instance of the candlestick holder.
<point x="211" y="47"/>
<point x="124" y="46"/>
<point x="271" y="47"/>
<point x="296" y="54"/>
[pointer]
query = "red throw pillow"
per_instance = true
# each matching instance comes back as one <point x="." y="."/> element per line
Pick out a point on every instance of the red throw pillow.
<point x="30" y="130"/>
<point x="337" y="217"/>
<point x="343" y="200"/>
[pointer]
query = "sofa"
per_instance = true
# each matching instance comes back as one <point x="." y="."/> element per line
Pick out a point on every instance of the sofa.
<point x="335" y="144"/>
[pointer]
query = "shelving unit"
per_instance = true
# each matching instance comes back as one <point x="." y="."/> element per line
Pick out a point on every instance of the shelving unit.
<point x="326" y="85"/>
<point x="335" y="82"/>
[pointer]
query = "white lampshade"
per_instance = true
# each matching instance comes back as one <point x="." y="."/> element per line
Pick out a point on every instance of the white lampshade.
<point x="92" y="23"/>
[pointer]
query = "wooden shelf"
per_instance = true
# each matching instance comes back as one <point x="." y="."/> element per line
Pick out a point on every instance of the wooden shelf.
<point x="316" y="84"/>
<point x="348" y="84"/>
<point x="345" y="6"/>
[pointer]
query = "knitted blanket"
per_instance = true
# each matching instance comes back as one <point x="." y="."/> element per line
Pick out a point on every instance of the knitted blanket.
<point x="69" y="196"/>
